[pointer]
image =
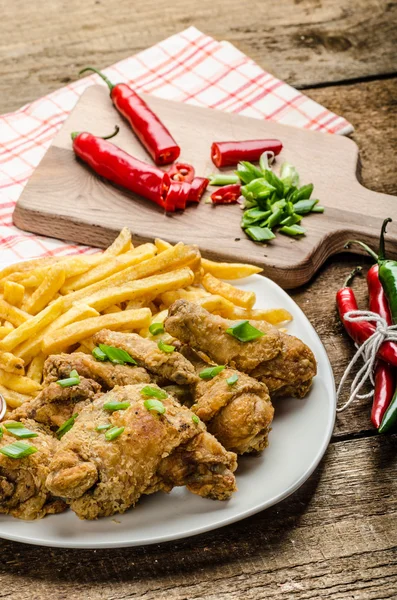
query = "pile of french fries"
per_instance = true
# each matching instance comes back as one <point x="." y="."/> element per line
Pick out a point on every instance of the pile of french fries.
<point x="52" y="305"/>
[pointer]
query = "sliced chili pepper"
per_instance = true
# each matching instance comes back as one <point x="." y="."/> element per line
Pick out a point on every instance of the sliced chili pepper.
<point x="151" y="132"/>
<point x="225" y="154"/>
<point x="177" y="196"/>
<point x="181" y="172"/>
<point x="390" y="418"/>
<point x="360" y="331"/>
<point x="228" y="194"/>
<point x="119" y="167"/>
<point x="197" y="188"/>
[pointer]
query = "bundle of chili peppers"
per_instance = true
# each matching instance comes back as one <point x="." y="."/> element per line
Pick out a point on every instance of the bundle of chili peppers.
<point x="382" y="290"/>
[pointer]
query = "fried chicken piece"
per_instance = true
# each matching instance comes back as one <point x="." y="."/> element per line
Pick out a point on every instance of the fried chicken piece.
<point x="171" y="366"/>
<point x="107" y="374"/>
<point x="23" y="493"/>
<point x="289" y="372"/>
<point x="203" y="331"/>
<point x="100" y="478"/>
<point x="238" y="415"/>
<point x="55" y="405"/>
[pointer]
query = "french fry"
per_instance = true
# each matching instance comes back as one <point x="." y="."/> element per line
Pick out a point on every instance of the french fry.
<point x="228" y="291"/>
<point x="19" y="383"/>
<point x="62" y="339"/>
<point x="89" y="344"/>
<point x="169" y="298"/>
<point x="26" y="265"/>
<point x="35" y="369"/>
<point x="13" y="293"/>
<point x="5" y="330"/>
<point x="162" y="245"/>
<point x="15" y="315"/>
<point x="229" y="270"/>
<point x="46" y="291"/>
<point x="31" y="347"/>
<point x="148" y="287"/>
<point x="82" y="348"/>
<point x="121" y="244"/>
<point x="9" y="325"/>
<point x="113" y="309"/>
<point x="111" y="266"/>
<point x="11" y="363"/>
<point x="32" y="327"/>
<point x="138" y="303"/>
<point x="217" y="305"/>
<point x="158" y="317"/>
<point x="13" y="399"/>
<point x="73" y="265"/>
<point x="271" y="315"/>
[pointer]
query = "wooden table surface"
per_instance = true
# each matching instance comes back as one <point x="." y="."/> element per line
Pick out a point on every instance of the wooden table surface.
<point x="335" y="538"/>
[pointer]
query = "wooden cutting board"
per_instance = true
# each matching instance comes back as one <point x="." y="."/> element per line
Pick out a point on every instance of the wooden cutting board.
<point x="64" y="199"/>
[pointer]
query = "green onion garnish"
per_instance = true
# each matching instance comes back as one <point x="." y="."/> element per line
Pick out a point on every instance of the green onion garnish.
<point x="73" y="379"/>
<point x="1" y="432"/>
<point x="66" y="426"/>
<point x="302" y="207"/>
<point x="195" y="419"/>
<point x="293" y="230"/>
<point x="19" y="430"/>
<point x="114" y="433"/>
<point x="113" y="405"/>
<point x="156" y="328"/>
<point x="18" y="450"/>
<point x="232" y="379"/>
<point x="219" y="179"/>
<point x="98" y="354"/>
<point x="318" y="209"/>
<point x="154" y="405"/>
<point x="117" y="356"/>
<point x="244" y="331"/>
<point x="152" y="392"/>
<point x="165" y="347"/>
<point x="211" y="372"/>
<point x="260" y="234"/>
<point x="103" y="427"/>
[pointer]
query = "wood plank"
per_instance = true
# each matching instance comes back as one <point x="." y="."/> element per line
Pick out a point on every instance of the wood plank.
<point x="331" y="540"/>
<point x="351" y="210"/>
<point x="305" y="42"/>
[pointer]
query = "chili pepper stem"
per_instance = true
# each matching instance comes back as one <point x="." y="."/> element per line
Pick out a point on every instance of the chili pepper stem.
<point x="74" y="134"/>
<point x="366" y="248"/>
<point x="351" y="276"/>
<point x="105" y="79"/>
<point x="382" y="238"/>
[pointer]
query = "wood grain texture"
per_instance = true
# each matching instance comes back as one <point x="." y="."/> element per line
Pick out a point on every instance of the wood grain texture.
<point x="333" y="540"/>
<point x="64" y="198"/>
<point x="305" y="42"/>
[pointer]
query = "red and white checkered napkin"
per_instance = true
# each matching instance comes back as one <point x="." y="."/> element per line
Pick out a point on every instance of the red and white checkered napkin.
<point x="187" y="67"/>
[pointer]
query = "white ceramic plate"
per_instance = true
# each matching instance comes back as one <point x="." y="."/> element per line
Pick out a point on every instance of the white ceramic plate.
<point x="300" y="435"/>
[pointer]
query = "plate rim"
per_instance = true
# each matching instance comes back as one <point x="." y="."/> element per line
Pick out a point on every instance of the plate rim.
<point x="242" y="514"/>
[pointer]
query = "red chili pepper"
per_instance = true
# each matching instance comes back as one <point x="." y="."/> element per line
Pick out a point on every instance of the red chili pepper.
<point x="177" y="196"/>
<point x="384" y="375"/>
<point x="119" y="167"/>
<point x="181" y="172"/>
<point x="228" y="194"/>
<point x="197" y="188"/>
<point x="360" y="331"/>
<point x="151" y="132"/>
<point x="225" y="154"/>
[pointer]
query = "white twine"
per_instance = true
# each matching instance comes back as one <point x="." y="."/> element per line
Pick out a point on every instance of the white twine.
<point x="367" y="351"/>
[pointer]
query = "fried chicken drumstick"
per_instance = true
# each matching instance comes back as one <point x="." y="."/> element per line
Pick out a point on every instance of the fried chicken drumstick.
<point x="153" y="452"/>
<point x="23" y="493"/>
<point x="284" y="363"/>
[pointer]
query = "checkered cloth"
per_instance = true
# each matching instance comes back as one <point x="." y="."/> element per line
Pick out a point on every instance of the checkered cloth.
<point x="187" y="67"/>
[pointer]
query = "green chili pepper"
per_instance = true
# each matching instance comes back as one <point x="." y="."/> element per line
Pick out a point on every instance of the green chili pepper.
<point x="390" y="416"/>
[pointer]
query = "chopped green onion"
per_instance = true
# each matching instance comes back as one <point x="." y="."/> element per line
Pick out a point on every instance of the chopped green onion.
<point x="18" y="450"/>
<point x="291" y="220"/>
<point x="152" y="392"/>
<point x="275" y="218"/>
<point x="244" y="331"/>
<point x="19" y="430"/>
<point x="232" y="379"/>
<point x="275" y="182"/>
<point x="113" y="405"/>
<point x="266" y="160"/>
<point x="247" y="172"/>
<point x="74" y="373"/>
<point x="302" y="207"/>
<point x="98" y="354"/>
<point x="219" y="179"/>
<point x="114" y="433"/>
<point x="103" y="427"/>
<point x="156" y="328"/>
<point x="211" y="372"/>
<point x="154" y="405"/>
<point x="117" y="356"/>
<point x="1" y="432"/>
<point x="165" y="347"/>
<point x="260" y="234"/>
<point x="254" y="215"/>
<point x="293" y="230"/>
<point x="303" y="193"/>
<point x="289" y="175"/>
<point x="260" y="188"/>
<point x="66" y="426"/>
<point x="73" y="379"/>
<point x="195" y="419"/>
<point x="318" y="209"/>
